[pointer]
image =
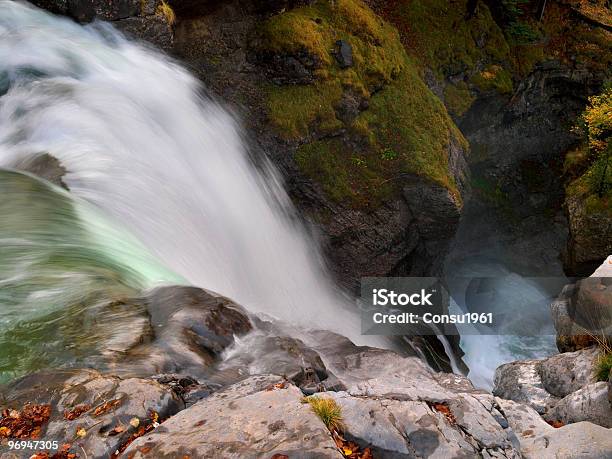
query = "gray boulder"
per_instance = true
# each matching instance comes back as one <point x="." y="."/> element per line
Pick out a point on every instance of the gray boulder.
<point x="521" y="382"/>
<point x="590" y="403"/>
<point x="259" y="417"/>
<point x="565" y="373"/>
<point x="44" y="166"/>
<point x="539" y="440"/>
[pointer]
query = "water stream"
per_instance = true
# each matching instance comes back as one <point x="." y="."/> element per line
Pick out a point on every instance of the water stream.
<point x="155" y="157"/>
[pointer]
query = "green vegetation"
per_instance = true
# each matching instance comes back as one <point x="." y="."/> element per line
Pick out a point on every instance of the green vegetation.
<point x="441" y="38"/>
<point x="328" y="411"/>
<point x="519" y="28"/>
<point x="494" y="77"/>
<point x="458" y="98"/>
<point x="294" y="109"/>
<point x="405" y="128"/>
<point x="592" y="163"/>
<point x="438" y="34"/>
<point x="603" y="366"/>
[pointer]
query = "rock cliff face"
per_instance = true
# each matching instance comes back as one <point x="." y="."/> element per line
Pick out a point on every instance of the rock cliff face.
<point x="151" y="20"/>
<point x="515" y="86"/>
<point x="369" y="154"/>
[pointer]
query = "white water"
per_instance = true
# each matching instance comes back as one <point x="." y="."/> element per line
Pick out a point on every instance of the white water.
<point x="170" y="165"/>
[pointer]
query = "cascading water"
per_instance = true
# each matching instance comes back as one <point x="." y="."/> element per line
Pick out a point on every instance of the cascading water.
<point x="142" y="144"/>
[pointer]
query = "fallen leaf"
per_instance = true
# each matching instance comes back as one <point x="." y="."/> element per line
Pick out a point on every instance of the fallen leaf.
<point x="556" y="424"/>
<point x="26" y="423"/>
<point x="446" y="411"/>
<point x="106" y="407"/>
<point x="81" y="432"/>
<point x="134" y="422"/>
<point x="116" y="431"/>
<point x="76" y="412"/>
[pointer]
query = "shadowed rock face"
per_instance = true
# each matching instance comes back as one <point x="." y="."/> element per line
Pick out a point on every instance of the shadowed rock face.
<point x="140" y="19"/>
<point x="44" y="166"/>
<point x="584" y="309"/>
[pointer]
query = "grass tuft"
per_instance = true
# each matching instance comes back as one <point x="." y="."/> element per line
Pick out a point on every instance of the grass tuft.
<point x="166" y="12"/>
<point x="603" y="366"/>
<point x="328" y="411"/>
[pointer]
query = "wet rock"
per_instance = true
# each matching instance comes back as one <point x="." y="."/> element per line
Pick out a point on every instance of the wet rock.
<point x="188" y="388"/>
<point x="401" y="429"/>
<point x="92" y="411"/>
<point x="144" y="20"/>
<point x="258" y="353"/>
<point x="192" y="327"/>
<point x="389" y="398"/>
<point x="565" y="373"/>
<point x="591" y="305"/>
<point x="540" y="440"/>
<point x="154" y="29"/>
<point x="561" y="388"/>
<point x="344" y="53"/>
<point x="259" y="417"/>
<point x="570" y="336"/>
<point x="297" y="68"/>
<point x="45" y="166"/>
<point x="521" y="382"/>
<point x="589" y="403"/>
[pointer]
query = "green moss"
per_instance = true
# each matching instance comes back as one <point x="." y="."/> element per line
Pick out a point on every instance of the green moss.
<point x="356" y="178"/>
<point x="458" y="98"/>
<point x="407" y="118"/>
<point x="377" y="54"/>
<point x="438" y="34"/>
<point x="593" y="203"/>
<point x="494" y="77"/>
<point x="297" y="31"/>
<point x="525" y="57"/>
<point x="294" y="109"/>
<point x="405" y="128"/>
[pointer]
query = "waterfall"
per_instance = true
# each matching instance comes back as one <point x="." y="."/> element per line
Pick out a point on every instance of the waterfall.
<point x="144" y="145"/>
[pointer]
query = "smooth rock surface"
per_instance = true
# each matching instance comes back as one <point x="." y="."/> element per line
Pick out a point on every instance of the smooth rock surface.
<point x="247" y="420"/>
<point x="590" y="403"/>
<point x="539" y="440"/>
<point x="565" y="373"/>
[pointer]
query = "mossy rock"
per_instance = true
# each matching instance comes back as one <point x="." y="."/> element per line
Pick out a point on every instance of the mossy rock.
<point x="394" y="125"/>
<point x="440" y="36"/>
